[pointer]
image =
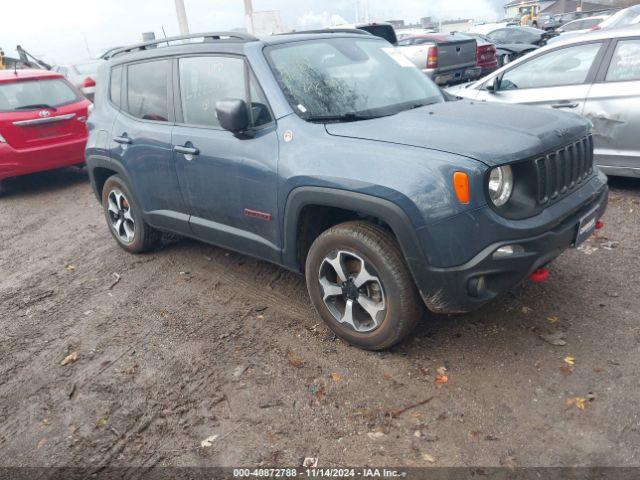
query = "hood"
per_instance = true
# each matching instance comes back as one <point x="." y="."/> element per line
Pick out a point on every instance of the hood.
<point x="494" y="133"/>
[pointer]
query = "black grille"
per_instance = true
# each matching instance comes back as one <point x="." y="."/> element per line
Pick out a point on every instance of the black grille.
<point x="564" y="169"/>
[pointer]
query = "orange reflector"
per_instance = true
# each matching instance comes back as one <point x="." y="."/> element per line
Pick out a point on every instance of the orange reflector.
<point x="461" y="186"/>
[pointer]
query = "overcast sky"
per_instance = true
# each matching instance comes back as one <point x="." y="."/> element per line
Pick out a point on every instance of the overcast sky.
<point x="72" y="30"/>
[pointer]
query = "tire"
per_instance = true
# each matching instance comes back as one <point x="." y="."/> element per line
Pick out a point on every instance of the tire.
<point x="391" y="295"/>
<point x="125" y="220"/>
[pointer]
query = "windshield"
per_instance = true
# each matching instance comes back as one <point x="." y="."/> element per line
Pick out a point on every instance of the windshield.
<point x="349" y="79"/>
<point x="35" y="94"/>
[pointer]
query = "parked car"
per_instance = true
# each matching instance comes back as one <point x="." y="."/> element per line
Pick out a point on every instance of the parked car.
<point x="582" y="25"/>
<point x="623" y="18"/>
<point x="379" y="29"/>
<point x="578" y="27"/>
<point x="519" y="35"/>
<point x="447" y="58"/>
<point x="42" y="122"/>
<point x="486" y="54"/>
<point x="505" y="52"/>
<point x="82" y="75"/>
<point x="553" y="22"/>
<point x="334" y="156"/>
<point x="596" y="75"/>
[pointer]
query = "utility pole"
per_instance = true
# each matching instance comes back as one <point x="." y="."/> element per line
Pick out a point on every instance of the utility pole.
<point x="183" y="24"/>
<point x="248" y="15"/>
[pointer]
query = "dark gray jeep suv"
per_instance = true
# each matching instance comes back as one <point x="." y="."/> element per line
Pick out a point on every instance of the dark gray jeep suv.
<point x="333" y="155"/>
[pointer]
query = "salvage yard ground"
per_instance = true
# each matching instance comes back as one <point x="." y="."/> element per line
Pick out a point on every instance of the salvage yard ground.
<point x="193" y="342"/>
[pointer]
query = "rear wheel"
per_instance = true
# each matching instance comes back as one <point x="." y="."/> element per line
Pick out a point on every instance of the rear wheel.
<point x="361" y="287"/>
<point x="124" y="218"/>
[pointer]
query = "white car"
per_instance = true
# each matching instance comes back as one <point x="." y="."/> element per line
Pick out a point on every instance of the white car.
<point x="582" y="25"/>
<point x="596" y="75"/>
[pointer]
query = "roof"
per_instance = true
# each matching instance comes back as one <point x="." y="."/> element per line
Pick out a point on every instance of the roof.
<point x="11" y="75"/>
<point x="605" y="34"/>
<point x="571" y="6"/>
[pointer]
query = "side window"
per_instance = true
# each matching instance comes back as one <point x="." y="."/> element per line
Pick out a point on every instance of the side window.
<point x="625" y="63"/>
<point x="564" y="66"/>
<point x="147" y="90"/>
<point x="115" y="85"/>
<point x="204" y="81"/>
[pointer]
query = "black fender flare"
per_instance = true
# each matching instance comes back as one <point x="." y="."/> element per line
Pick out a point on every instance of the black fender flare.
<point x="383" y="209"/>
<point x="100" y="161"/>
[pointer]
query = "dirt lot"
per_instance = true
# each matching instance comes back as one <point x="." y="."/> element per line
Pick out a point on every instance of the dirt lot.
<point x="195" y="341"/>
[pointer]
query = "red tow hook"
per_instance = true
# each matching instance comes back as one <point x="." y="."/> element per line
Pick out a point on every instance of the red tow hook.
<point x="539" y="275"/>
<point x="599" y="224"/>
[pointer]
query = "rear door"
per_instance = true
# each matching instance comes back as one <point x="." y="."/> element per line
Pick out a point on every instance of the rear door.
<point x="229" y="181"/>
<point x="613" y="105"/>
<point x="141" y="141"/>
<point x="38" y="113"/>
<point x="558" y="78"/>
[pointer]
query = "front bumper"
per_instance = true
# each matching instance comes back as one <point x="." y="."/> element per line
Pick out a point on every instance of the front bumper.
<point x="469" y="286"/>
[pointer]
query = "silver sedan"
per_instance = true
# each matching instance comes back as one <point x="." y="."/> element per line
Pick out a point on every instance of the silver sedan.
<point x="596" y="75"/>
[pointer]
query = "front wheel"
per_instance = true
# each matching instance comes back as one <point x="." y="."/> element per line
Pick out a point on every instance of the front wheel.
<point x="361" y="287"/>
<point x="124" y="218"/>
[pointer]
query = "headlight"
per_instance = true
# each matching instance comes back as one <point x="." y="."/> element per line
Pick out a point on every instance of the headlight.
<point x="500" y="185"/>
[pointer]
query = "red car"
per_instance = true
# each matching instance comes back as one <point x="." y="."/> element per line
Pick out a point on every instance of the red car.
<point x="42" y="122"/>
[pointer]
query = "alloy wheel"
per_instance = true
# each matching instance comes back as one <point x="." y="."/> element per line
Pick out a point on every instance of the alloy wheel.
<point x="352" y="291"/>
<point x="120" y="216"/>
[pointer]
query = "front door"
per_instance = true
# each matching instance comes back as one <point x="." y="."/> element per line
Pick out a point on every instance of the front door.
<point x="558" y="79"/>
<point x="228" y="181"/>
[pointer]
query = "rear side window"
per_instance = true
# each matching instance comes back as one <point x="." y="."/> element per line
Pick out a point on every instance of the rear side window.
<point x="204" y="81"/>
<point x="147" y="85"/>
<point x="115" y="85"/>
<point x="625" y="63"/>
<point x="35" y="94"/>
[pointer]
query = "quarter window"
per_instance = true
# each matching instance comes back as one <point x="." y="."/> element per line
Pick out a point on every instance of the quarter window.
<point x="147" y="85"/>
<point x="625" y="63"/>
<point x="565" y="66"/>
<point x="115" y="85"/>
<point x="204" y="81"/>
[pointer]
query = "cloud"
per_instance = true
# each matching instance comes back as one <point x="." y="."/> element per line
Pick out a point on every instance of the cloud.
<point x="319" y="20"/>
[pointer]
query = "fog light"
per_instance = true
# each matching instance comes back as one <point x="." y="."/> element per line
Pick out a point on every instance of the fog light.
<point x="507" y="251"/>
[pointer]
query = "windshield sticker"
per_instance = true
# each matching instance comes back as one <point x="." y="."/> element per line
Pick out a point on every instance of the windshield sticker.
<point x="399" y="57"/>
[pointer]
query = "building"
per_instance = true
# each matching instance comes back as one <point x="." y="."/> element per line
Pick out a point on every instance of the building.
<point x="518" y="8"/>
<point x="427" y="22"/>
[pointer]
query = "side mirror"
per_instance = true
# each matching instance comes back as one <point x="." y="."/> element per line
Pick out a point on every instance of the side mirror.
<point x="233" y="115"/>
<point x="495" y="86"/>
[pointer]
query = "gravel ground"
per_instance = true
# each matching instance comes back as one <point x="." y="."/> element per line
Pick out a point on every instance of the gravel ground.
<point x="195" y="341"/>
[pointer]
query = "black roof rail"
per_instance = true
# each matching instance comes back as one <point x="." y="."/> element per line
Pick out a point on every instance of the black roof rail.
<point x="329" y="30"/>
<point x="206" y="37"/>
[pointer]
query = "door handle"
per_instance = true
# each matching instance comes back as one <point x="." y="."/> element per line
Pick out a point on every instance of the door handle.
<point x="565" y="105"/>
<point x="186" y="150"/>
<point x="123" y="139"/>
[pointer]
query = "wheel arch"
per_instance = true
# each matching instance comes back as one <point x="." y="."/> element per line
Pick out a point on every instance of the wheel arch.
<point x="362" y="205"/>
<point x="100" y="168"/>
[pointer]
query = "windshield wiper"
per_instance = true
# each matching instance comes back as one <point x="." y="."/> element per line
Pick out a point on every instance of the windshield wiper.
<point x="343" y="117"/>
<point x="36" y="105"/>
